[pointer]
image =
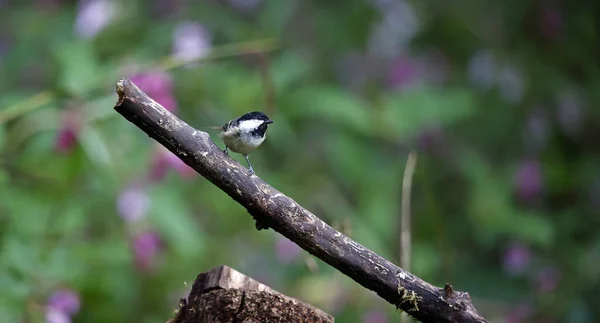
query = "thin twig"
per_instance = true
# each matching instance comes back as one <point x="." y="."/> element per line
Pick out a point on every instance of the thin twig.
<point x="405" y="235"/>
<point x="405" y="226"/>
<point x="27" y="105"/>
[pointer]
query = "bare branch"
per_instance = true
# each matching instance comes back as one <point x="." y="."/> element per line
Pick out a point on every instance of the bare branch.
<point x="272" y="209"/>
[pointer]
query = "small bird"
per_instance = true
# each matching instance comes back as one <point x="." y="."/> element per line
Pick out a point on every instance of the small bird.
<point x="245" y="133"/>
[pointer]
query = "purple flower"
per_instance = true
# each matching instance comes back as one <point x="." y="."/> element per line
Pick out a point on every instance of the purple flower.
<point x="404" y="72"/>
<point x="594" y="194"/>
<point x="191" y="41"/>
<point x="528" y="180"/>
<point x="65" y="300"/>
<point x="49" y="4"/>
<point x="516" y="259"/>
<point x="55" y="316"/>
<point x="547" y="279"/>
<point x="164" y="160"/>
<point x="482" y="70"/>
<point x="164" y="8"/>
<point x="375" y="317"/>
<point x="66" y="137"/>
<point x="431" y="139"/>
<point x="569" y="112"/>
<point x="244" y="5"/>
<point x="158" y="85"/>
<point x="537" y="130"/>
<point x="146" y="247"/>
<point x="436" y="68"/>
<point x="551" y="22"/>
<point x="351" y="70"/>
<point x="286" y="250"/>
<point x="395" y="30"/>
<point x="510" y="83"/>
<point x="519" y="314"/>
<point x="133" y="204"/>
<point x="93" y="16"/>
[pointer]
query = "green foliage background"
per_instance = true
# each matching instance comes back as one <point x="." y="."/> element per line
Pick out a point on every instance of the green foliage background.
<point x="338" y="146"/>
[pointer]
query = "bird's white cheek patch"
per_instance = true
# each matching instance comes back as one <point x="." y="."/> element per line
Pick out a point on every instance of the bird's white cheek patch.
<point x="249" y="125"/>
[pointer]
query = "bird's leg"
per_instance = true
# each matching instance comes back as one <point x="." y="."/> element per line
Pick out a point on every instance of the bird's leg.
<point x="226" y="150"/>
<point x="249" y="165"/>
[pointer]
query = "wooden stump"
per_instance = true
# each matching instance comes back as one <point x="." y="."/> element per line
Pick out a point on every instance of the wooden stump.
<point x="226" y="295"/>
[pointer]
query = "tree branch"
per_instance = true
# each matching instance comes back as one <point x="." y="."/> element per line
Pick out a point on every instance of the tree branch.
<point x="272" y="209"/>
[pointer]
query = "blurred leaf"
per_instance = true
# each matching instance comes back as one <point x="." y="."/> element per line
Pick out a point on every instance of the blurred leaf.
<point x="15" y="288"/>
<point x="32" y="124"/>
<point x="100" y="108"/>
<point x="533" y="228"/>
<point x="348" y="158"/>
<point x="322" y="103"/>
<point x="426" y="260"/>
<point x="488" y="204"/>
<point x="15" y="106"/>
<point x="2" y="136"/>
<point x="79" y="68"/>
<point x="174" y="220"/>
<point x="380" y="212"/>
<point x="28" y="212"/>
<point x="10" y="309"/>
<point x="95" y="146"/>
<point x="4" y="178"/>
<point x="59" y="266"/>
<point x="406" y="113"/>
<point x="275" y="15"/>
<point x="287" y="69"/>
<point x="71" y="220"/>
<point x="22" y="256"/>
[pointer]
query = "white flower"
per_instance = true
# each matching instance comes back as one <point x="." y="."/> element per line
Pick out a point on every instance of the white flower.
<point x="191" y="41"/>
<point x="133" y="204"/>
<point x="482" y="70"/>
<point x="93" y="16"/>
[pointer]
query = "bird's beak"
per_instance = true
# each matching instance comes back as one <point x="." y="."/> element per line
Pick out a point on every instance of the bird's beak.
<point x="269" y="121"/>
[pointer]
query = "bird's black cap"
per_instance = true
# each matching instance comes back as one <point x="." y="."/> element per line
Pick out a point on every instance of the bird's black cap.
<point x="255" y="115"/>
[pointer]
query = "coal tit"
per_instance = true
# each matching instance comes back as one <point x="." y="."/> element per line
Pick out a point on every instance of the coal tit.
<point x="245" y="133"/>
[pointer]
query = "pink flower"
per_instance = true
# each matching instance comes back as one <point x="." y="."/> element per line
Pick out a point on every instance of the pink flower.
<point x="66" y="137"/>
<point x="528" y="180"/>
<point x="375" y="317"/>
<point x="516" y="259"/>
<point x="519" y="314"/>
<point x="404" y="72"/>
<point x="164" y="160"/>
<point x="158" y="85"/>
<point x="547" y="280"/>
<point x="146" y="247"/>
<point x="551" y="22"/>
<point x="65" y="300"/>
<point x="431" y="139"/>
<point x="286" y="250"/>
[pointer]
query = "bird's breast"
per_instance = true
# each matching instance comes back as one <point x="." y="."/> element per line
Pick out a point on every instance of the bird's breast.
<point x="239" y="143"/>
